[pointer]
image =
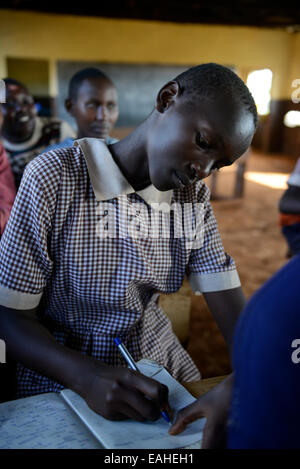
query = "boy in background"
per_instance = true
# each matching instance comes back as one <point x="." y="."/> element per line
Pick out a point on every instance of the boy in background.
<point x="93" y="103"/>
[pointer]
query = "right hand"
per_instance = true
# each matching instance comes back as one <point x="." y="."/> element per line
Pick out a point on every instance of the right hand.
<point x="119" y="393"/>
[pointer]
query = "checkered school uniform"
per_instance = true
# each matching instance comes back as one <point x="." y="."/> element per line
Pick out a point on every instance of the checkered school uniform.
<point x="90" y="287"/>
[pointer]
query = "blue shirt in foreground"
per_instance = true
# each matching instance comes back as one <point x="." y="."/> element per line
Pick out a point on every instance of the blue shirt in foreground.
<point x="265" y="409"/>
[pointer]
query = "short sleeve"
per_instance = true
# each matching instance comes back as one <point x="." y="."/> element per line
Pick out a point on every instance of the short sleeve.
<point x="210" y="268"/>
<point x="25" y="263"/>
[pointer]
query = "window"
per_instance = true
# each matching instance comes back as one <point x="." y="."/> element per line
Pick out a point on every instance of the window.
<point x="292" y="119"/>
<point x="259" y="83"/>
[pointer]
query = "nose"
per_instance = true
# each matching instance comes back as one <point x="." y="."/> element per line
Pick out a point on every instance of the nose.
<point x="102" y="113"/>
<point x="21" y="107"/>
<point x="201" y="171"/>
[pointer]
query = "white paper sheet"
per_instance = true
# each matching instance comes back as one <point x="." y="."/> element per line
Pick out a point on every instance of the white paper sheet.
<point x="45" y="421"/>
<point x="129" y="434"/>
<point x="42" y="422"/>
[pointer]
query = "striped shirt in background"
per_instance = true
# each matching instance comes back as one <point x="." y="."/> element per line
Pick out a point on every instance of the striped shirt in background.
<point x="47" y="131"/>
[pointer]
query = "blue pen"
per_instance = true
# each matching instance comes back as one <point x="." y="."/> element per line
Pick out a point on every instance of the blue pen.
<point x="131" y="363"/>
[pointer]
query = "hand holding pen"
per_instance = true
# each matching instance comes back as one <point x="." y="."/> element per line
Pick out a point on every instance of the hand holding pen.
<point x="119" y="393"/>
<point x="131" y="363"/>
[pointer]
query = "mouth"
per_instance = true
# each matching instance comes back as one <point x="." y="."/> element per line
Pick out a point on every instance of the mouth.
<point x="23" y="119"/>
<point x="101" y="128"/>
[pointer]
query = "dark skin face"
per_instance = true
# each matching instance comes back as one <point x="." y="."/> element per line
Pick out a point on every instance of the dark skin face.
<point x="95" y="108"/>
<point x="190" y="141"/>
<point x="181" y="142"/>
<point x="19" y="114"/>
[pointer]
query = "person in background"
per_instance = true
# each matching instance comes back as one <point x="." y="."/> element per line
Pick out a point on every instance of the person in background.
<point x="24" y="134"/>
<point x="7" y="186"/>
<point x="289" y="208"/>
<point x="93" y="103"/>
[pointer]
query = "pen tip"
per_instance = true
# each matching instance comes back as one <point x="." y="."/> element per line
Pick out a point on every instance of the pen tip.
<point x="165" y="416"/>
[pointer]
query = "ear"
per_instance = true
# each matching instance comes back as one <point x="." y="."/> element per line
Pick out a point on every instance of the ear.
<point x="167" y="95"/>
<point x="69" y="106"/>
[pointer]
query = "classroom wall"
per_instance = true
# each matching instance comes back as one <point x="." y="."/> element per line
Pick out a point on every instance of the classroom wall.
<point x="38" y="35"/>
<point x="66" y="37"/>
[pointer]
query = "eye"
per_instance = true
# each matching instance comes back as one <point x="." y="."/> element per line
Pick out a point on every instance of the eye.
<point x="201" y="142"/>
<point x="91" y="105"/>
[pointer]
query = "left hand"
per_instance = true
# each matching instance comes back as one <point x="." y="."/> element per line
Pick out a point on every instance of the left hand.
<point x="214" y="405"/>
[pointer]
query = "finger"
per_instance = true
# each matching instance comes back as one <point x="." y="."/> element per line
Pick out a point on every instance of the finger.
<point x="131" y="403"/>
<point x="155" y="391"/>
<point x="141" y="405"/>
<point x="125" y="411"/>
<point x="186" y="416"/>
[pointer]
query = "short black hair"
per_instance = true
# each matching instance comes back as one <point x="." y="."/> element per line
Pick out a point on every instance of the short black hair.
<point x="210" y="79"/>
<point x="12" y="81"/>
<point x="82" y="75"/>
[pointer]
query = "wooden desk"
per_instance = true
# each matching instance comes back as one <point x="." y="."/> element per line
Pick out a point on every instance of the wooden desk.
<point x="200" y="387"/>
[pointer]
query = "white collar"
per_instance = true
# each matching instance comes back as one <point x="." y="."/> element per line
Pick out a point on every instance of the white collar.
<point x="106" y="177"/>
<point x="11" y="146"/>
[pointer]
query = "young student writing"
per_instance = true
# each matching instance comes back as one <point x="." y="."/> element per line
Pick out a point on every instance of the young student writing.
<point x="93" y="103"/>
<point x="67" y="289"/>
<point x="24" y="134"/>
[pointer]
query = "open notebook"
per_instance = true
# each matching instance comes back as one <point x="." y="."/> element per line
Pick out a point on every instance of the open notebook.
<point x="64" y="420"/>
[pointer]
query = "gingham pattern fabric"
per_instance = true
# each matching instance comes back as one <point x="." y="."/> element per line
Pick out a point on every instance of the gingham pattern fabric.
<point x="88" y="288"/>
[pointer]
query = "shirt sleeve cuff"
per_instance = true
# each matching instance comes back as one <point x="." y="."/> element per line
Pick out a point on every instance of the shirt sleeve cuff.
<point x="18" y="300"/>
<point x="204" y="283"/>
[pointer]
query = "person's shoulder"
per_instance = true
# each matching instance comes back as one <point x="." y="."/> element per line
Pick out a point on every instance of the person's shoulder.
<point x="55" y="125"/>
<point x="45" y="122"/>
<point x="67" y="142"/>
<point x="111" y="140"/>
<point x="279" y="294"/>
<point x="55" y="162"/>
<point x="3" y="158"/>
<point x="2" y="152"/>
<point x="285" y="280"/>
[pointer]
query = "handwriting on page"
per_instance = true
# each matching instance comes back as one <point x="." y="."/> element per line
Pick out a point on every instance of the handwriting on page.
<point x="42" y="421"/>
